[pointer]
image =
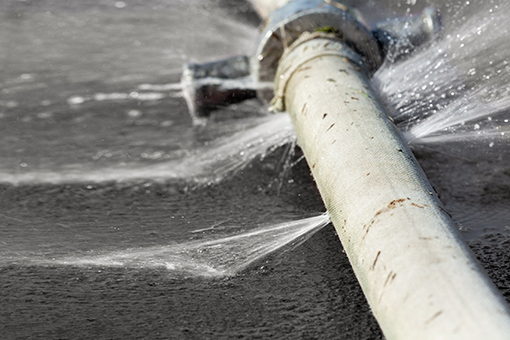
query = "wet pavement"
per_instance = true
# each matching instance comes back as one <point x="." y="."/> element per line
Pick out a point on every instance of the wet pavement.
<point x="86" y="86"/>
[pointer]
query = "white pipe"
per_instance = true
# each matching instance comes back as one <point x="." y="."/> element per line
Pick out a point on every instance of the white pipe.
<point x="419" y="278"/>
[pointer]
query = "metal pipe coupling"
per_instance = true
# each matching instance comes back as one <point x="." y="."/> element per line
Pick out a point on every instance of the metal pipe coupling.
<point x="214" y="84"/>
<point x="310" y="46"/>
<point x="285" y="25"/>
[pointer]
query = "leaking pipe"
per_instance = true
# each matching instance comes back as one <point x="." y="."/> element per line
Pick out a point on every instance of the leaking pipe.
<point x="418" y="276"/>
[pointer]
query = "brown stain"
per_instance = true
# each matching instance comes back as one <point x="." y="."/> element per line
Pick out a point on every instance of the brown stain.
<point x="367" y="229"/>
<point x="417" y="205"/>
<point x="334" y="141"/>
<point x="375" y="260"/>
<point x="388" y="278"/>
<point x="304" y="108"/>
<point x="433" y="317"/>
<point x="392" y="205"/>
<point x="303" y="68"/>
<point x="313" y="166"/>
<point x="330" y="127"/>
<point x="354" y="98"/>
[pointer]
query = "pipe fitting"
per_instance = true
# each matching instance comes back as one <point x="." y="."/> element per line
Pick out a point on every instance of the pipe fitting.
<point x="288" y="23"/>
<point x="307" y="47"/>
<point x="211" y="85"/>
<point x="215" y="84"/>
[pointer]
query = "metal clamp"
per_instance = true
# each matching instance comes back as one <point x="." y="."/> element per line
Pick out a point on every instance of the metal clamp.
<point x="288" y="23"/>
<point x="214" y="84"/>
<point x="318" y="44"/>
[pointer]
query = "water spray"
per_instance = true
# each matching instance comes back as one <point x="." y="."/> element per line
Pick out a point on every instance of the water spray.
<point x="420" y="279"/>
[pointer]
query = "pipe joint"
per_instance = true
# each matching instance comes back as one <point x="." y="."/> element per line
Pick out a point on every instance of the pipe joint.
<point x="286" y="25"/>
<point x="214" y="84"/>
<point x="308" y="47"/>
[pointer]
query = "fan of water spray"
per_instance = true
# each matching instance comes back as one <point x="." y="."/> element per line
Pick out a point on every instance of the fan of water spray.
<point x="231" y="151"/>
<point x="457" y="89"/>
<point x="212" y="257"/>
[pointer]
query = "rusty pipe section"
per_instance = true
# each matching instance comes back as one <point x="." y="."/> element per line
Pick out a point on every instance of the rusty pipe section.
<point x="418" y="276"/>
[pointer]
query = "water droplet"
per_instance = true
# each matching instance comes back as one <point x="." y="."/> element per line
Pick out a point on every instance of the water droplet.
<point x="76" y="100"/>
<point x="134" y="113"/>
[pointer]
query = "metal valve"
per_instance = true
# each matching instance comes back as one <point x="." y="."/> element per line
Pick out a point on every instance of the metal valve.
<point x="228" y="81"/>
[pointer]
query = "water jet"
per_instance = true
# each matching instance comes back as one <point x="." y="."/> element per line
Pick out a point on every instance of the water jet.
<point x="419" y="277"/>
<point x="91" y="170"/>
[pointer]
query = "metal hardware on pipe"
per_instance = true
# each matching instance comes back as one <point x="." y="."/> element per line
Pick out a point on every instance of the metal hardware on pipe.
<point x="219" y="83"/>
<point x="419" y="278"/>
<point x="286" y="24"/>
<point x="285" y="21"/>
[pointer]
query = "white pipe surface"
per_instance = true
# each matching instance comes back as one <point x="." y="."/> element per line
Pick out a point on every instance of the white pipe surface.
<point x="419" y="278"/>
